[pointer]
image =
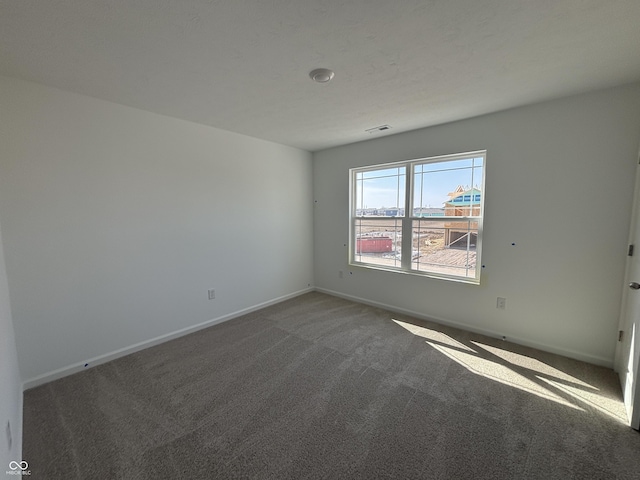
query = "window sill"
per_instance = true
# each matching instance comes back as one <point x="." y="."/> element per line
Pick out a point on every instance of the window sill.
<point x="416" y="273"/>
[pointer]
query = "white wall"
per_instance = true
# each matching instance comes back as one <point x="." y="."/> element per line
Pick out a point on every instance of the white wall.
<point x="559" y="184"/>
<point x="11" y="387"/>
<point x="116" y="221"/>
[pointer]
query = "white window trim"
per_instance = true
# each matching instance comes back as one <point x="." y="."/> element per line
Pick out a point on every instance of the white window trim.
<point x="407" y="220"/>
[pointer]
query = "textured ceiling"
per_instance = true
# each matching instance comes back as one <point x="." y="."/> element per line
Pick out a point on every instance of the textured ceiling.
<point x="242" y="65"/>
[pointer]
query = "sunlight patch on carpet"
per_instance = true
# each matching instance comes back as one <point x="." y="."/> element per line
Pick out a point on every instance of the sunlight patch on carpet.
<point x="475" y="363"/>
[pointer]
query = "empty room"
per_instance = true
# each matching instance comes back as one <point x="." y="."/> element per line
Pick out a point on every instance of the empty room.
<point x="320" y="239"/>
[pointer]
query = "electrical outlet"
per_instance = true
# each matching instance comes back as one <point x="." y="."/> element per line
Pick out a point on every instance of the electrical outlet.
<point x="212" y="293"/>
<point x="501" y="303"/>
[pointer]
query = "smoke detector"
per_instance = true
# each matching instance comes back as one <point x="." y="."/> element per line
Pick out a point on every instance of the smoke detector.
<point x="321" y="75"/>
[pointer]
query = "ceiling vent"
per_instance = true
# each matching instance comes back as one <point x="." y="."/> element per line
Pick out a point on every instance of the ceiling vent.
<point x="381" y="128"/>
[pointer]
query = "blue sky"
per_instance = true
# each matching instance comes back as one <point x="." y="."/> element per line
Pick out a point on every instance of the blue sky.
<point x="432" y="183"/>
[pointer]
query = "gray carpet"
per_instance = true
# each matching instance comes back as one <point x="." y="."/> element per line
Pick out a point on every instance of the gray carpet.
<point x="320" y="387"/>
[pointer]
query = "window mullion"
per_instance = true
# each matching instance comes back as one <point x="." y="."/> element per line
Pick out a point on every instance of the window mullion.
<point x="407" y="236"/>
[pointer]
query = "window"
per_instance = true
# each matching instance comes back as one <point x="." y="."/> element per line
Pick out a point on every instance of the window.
<point x="421" y="216"/>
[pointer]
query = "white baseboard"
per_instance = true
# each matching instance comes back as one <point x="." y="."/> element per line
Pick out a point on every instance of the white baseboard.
<point x="585" y="357"/>
<point x="107" y="357"/>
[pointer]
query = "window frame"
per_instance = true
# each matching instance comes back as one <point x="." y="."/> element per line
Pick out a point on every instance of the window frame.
<point x="408" y="220"/>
